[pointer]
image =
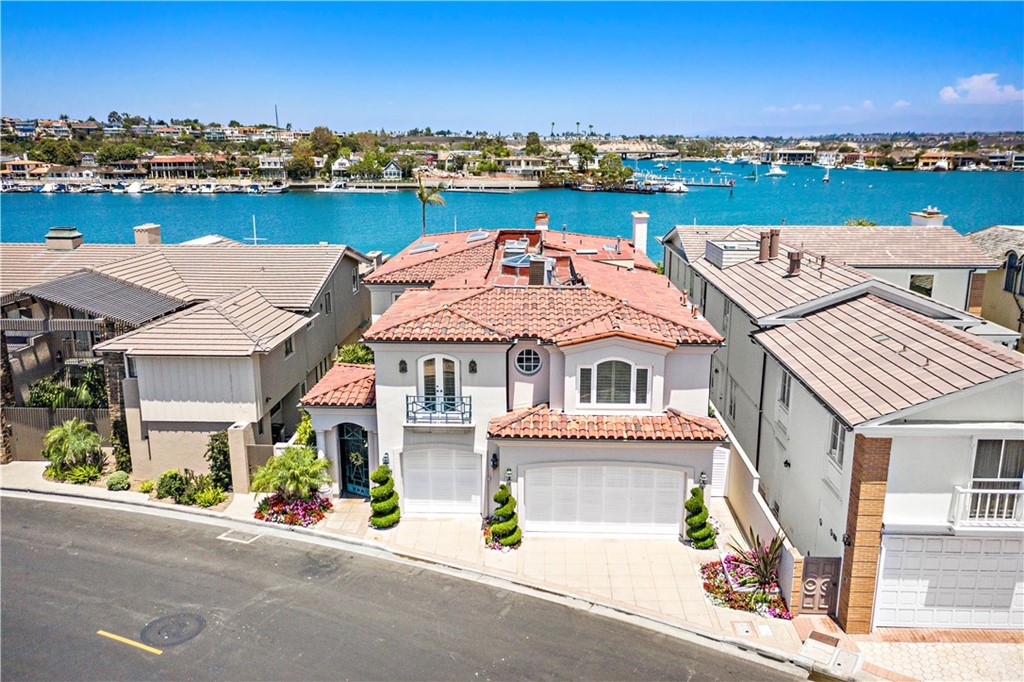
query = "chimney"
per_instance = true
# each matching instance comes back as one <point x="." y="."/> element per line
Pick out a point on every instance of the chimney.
<point x="147" y="234"/>
<point x="773" y="243"/>
<point x="794" y="263"/>
<point x="821" y="262"/>
<point x="927" y="217"/>
<point x="538" y="271"/>
<point x="540" y="221"/>
<point x="640" y="231"/>
<point x="63" y="239"/>
<point x="762" y="254"/>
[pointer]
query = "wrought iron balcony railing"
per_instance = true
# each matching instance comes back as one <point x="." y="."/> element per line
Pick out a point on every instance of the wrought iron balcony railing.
<point x="430" y="409"/>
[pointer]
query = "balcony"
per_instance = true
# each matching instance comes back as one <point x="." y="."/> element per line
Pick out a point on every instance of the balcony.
<point x="987" y="508"/>
<point x="430" y="409"/>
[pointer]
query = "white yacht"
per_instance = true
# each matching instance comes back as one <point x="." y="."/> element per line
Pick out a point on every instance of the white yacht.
<point x="134" y="188"/>
<point x="776" y="172"/>
<point x="675" y="187"/>
<point x="858" y="165"/>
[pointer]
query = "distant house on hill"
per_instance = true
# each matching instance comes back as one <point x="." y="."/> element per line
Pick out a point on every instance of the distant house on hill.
<point x="392" y="171"/>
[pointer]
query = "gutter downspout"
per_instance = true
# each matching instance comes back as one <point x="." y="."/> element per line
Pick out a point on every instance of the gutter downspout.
<point x="760" y="414"/>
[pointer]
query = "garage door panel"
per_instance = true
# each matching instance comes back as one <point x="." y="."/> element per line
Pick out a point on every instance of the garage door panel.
<point x="951" y="582"/>
<point x="441" y="481"/>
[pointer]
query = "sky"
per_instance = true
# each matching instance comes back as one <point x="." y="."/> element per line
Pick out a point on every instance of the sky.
<point x="749" y="68"/>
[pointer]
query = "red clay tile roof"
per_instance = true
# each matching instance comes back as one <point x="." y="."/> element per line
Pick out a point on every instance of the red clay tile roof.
<point x="344" y="385"/>
<point x="543" y="423"/>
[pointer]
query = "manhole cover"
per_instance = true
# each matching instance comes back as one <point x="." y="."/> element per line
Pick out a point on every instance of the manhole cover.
<point x="171" y="630"/>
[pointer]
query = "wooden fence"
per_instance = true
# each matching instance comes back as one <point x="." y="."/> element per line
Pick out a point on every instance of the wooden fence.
<point x="30" y="424"/>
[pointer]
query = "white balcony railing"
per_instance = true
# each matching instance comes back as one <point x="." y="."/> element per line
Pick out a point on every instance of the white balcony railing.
<point x="987" y="508"/>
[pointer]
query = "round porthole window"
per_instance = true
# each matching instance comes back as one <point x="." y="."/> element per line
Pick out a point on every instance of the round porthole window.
<point x="528" y="361"/>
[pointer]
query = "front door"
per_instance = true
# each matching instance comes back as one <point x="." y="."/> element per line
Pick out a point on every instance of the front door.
<point x="355" y="462"/>
<point x="439" y="384"/>
<point x="818" y="588"/>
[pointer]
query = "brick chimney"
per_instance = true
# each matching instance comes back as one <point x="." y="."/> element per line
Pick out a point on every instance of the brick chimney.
<point x="541" y="220"/>
<point x="640" y="231"/>
<point x="773" y="243"/>
<point x="762" y="254"/>
<point x="794" y="263"/>
<point x="63" y="238"/>
<point x="147" y="234"/>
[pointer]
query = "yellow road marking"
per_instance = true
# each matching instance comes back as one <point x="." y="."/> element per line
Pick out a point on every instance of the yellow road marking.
<point x="129" y="642"/>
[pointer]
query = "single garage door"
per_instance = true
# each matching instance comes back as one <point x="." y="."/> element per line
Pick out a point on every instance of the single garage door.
<point x="951" y="582"/>
<point x="604" y="499"/>
<point x="441" y="481"/>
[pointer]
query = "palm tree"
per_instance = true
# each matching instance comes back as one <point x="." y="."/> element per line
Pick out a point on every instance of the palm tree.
<point x="428" y="195"/>
<point x="71" y="443"/>
<point x="591" y="126"/>
<point x="577" y="128"/>
<point x="552" y="129"/>
<point x="295" y="474"/>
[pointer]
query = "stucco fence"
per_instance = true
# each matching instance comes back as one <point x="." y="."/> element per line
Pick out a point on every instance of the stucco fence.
<point x="30" y="424"/>
<point x="752" y="512"/>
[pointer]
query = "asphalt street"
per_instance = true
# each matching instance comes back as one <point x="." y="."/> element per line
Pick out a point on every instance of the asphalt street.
<point x="276" y="609"/>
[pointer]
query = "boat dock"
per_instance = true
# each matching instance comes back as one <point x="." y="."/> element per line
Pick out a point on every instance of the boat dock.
<point x="724" y="183"/>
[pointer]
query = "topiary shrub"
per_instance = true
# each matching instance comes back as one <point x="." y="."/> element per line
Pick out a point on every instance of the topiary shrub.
<point x="699" y="531"/>
<point x="383" y="499"/>
<point x="218" y="454"/>
<point x="146" y="486"/>
<point x="82" y="473"/>
<point x="119" y="480"/>
<point x="505" y="522"/>
<point x="171" y="484"/>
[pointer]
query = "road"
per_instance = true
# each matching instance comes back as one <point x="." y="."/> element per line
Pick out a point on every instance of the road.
<point x="278" y="609"/>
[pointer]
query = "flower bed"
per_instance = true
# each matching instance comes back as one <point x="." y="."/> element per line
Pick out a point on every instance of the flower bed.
<point x="740" y="577"/>
<point x="490" y="542"/>
<point x="275" y="508"/>
<point x="721" y="593"/>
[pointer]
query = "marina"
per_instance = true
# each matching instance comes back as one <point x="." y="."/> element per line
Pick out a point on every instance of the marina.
<point x="388" y="221"/>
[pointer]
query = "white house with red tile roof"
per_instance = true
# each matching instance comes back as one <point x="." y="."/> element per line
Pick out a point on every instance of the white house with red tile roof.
<point x="886" y="430"/>
<point x="560" y="363"/>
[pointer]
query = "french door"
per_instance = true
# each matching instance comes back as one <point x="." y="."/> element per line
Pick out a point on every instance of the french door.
<point x="439" y="383"/>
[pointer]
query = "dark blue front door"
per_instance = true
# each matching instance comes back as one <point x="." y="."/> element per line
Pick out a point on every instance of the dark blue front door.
<point x="355" y="459"/>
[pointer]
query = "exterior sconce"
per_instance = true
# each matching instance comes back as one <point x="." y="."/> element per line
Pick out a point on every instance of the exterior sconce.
<point x="703" y="480"/>
<point x="387" y="460"/>
<point x="508" y="476"/>
<point x="494" y="460"/>
<point x="403" y="366"/>
<point x="786" y="464"/>
<point x="846" y="540"/>
<point x="472" y="366"/>
<point x="59" y="357"/>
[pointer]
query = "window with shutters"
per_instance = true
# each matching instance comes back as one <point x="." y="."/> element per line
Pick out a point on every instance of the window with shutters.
<point x="614" y="382"/>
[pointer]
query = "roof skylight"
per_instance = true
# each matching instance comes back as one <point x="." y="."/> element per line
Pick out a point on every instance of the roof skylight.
<point x="423" y="248"/>
<point x="477" y="236"/>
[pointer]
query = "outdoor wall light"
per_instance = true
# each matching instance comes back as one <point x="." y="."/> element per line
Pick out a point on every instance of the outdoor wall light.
<point x="703" y="479"/>
<point x="508" y="475"/>
<point x="846" y="540"/>
<point x="494" y="460"/>
<point x="472" y="366"/>
<point x="403" y="366"/>
<point x="786" y="464"/>
<point x="387" y="460"/>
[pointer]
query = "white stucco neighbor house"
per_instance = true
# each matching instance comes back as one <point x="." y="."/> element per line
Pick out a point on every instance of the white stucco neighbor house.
<point x="560" y="363"/>
<point x="886" y="429"/>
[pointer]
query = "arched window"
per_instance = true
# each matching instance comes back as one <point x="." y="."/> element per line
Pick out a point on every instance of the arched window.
<point x="614" y="382"/>
<point x="1011" y="272"/>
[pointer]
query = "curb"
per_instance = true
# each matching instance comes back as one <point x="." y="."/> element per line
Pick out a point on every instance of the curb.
<point x="675" y="629"/>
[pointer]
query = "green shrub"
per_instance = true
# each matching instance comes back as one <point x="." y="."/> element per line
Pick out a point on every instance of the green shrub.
<point x="355" y="353"/>
<point x="119" y="480"/>
<point x="146" y="486"/>
<point x="304" y="433"/>
<point x="297" y="474"/>
<point x="208" y="497"/>
<point x="119" y="443"/>
<point x="53" y="473"/>
<point x="505" y="527"/>
<point x="218" y="454"/>
<point x="700" y="532"/>
<point x="71" y="443"/>
<point x="82" y="473"/>
<point x="171" y="484"/>
<point x="383" y="499"/>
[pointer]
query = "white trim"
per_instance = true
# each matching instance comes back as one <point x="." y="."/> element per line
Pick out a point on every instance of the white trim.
<point x="995" y="430"/>
<point x="962" y="393"/>
<point x="439" y="372"/>
<point x="632" y="385"/>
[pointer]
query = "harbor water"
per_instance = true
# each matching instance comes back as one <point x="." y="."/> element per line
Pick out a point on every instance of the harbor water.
<point x="390" y="221"/>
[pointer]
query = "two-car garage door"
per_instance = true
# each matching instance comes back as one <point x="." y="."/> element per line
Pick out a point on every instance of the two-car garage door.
<point x="442" y="481"/>
<point x="604" y="499"/>
<point x="951" y="582"/>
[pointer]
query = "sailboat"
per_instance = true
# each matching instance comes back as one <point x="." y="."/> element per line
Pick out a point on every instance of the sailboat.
<point x="825" y="179"/>
<point x="752" y="175"/>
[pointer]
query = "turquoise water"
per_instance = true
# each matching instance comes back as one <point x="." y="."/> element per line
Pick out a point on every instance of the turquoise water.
<point x="390" y="221"/>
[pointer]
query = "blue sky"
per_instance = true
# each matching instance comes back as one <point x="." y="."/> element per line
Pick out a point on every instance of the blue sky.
<point x="716" y="68"/>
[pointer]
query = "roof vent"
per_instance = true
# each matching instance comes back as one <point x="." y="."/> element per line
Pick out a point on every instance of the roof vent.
<point x="423" y="248"/>
<point x="63" y="238"/>
<point x="514" y="246"/>
<point x="588" y="252"/>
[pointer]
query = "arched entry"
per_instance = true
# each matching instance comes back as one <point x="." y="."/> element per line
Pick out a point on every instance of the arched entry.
<point x="355" y="461"/>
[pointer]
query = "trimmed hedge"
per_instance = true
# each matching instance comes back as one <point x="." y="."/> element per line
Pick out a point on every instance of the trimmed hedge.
<point x="119" y="480"/>
<point x="700" y="532"/>
<point x="383" y="499"/>
<point x="506" y="529"/>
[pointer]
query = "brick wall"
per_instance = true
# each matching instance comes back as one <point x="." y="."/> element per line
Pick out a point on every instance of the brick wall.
<point x="864" y="527"/>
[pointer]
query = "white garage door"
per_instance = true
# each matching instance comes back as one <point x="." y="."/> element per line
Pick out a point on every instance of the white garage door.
<point x="604" y="499"/>
<point x="441" y="481"/>
<point x="950" y="582"/>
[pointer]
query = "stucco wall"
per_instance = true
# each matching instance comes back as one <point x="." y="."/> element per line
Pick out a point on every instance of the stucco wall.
<point x="1002" y="307"/>
<point x="588" y="354"/>
<point x="1001" y="402"/>
<point x="922" y="474"/>
<point x="176" y="445"/>
<point x="950" y="285"/>
<point x="525" y="390"/>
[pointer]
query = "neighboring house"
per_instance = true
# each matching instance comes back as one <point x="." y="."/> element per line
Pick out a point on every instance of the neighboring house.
<point x="391" y="171"/>
<point x="167" y="167"/>
<point x="271" y="166"/>
<point x="887" y="433"/>
<point x="528" y="167"/>
<point x="340" y="166"/>
<point x="113" y="130"/>
<point x="927" y="257"/>
<point x="21" y="168"/>
<point x="1003" y="301"/>
<point x="207" y="336"/>
<point x="560" y="363"/>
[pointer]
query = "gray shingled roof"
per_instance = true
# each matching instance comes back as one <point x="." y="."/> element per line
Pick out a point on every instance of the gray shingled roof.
<point x="998" y="240"/>
<point x="106" y="297"/>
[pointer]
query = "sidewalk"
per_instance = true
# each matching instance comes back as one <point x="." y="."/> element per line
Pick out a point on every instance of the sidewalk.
<point x="655" y="578"/>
